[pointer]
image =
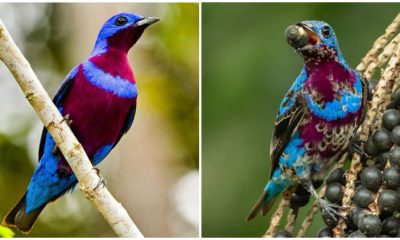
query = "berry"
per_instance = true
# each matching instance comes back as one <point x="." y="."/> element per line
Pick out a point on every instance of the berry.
<point x="317" y="183"/>
<point x="300" y="190"/>
<point x="363" y="197"/>
<point x="396" y="98"/>
<point x="337" y="176"/>
<point x="334" y="193"/>
<point x="388" y="201"/>
<point x="370" y="225"/>
<point x="381" y="138"/>
<point x="370" y="148"/>
<point x="396" y="135"/>
<point x="381" y="160"/>
<point x="282" y="234"/>
<point x="356" y="214"/>
<point x="356" y="234"/>
<point x="391" y="177"/>
<point x="390" y="226"/>
<point x="371" y="178"/>
<point x="394" y="156"/>
<point x="391" y="119"/>
<point x="298" y="200"/>
<point x="325" y="232"/>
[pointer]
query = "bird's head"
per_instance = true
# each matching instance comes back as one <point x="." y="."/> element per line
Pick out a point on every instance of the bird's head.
<point x="121" y="32"/>
<point x="313" y="38"/>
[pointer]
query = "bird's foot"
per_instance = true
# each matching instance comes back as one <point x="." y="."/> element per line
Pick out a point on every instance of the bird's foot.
<point x="330" y="209"/>
<point x="102" y="181"/>
<point x="67" y="119"/>
<point x="355" y="147"/>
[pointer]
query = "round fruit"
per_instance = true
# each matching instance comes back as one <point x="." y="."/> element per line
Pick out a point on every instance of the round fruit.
<point x="394" y="156"/>
<point x="357" y="213"/>
<point x="396" y="98"/>
<point x="363" y="197"/>
<point x="337" y="176"/>
<point x="381" y="160"/>
<point x="391" y="226"/>
<point x="371" y="178"/>
<point x="370" y="148"/>
<point x="283" y="234"/>
<point x="391" y="177"/>
<point x="388" y="201"/>
<point x="391" y="119"/>
<point x="381" y="138"/>
<point x="356" y="234"/>
<point x="298" y="200"/>
<point x="396" y="135"/>
<point x="325" y="232"/>
<point x="334" y="193"/>
<point x="370" y="225"/>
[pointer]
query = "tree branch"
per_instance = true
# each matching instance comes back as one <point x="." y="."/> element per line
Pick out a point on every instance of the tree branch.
<point x="88" y="177"/>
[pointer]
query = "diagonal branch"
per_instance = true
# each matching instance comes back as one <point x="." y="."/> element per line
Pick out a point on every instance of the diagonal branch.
<point x="72" y="150"/>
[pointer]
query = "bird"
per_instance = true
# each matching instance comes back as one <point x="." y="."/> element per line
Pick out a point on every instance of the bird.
<point x="317" y="118"/>
<point x="98" y="98"/>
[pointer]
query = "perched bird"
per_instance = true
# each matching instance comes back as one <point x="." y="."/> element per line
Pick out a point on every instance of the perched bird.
<point x="317" y="118"/>
<point x="99" y="98"/>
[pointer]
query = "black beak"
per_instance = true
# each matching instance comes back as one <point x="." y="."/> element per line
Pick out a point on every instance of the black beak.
<point x="147" y="21"/>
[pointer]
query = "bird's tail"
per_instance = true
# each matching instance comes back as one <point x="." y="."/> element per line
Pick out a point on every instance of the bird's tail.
<point x="262" y="204"/>
<point x="18" y="217"/>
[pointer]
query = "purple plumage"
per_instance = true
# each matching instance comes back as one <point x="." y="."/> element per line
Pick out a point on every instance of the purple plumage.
<point x="99" y="96"/>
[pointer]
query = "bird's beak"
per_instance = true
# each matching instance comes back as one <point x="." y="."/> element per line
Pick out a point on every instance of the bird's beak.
<point x="313" y="38"/>
<point x="147" y="21"/>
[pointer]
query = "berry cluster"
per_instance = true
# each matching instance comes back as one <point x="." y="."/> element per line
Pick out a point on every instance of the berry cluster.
<point x="376" y="201"/>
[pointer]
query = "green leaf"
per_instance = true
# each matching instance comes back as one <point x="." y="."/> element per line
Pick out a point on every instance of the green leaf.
<point x="6" y="232"/>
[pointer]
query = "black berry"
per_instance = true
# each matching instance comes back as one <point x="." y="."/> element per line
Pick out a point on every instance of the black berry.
<point x="337" y="176"/>
<point x="298" y="200"/>
<point x="396" y="98"/>
<point x="388" y="201"/>
<point x="390" y="226"/>
<point x="396" y="135"/>
<point x="357" y="234"/>
<point x="391" y="119"/>
<point x="371" y="178"/>
<point x="363" y="197"/>
<point x="370" y="148"/>
<point x="381" y="138"/>
<point x="391" y="177"/>
<point x="370" y="225"/>
<point x="381" y="160"/>
<point x="394" y="156"/>
<point x="334" y="193"/>
<point x="329" y="220"/>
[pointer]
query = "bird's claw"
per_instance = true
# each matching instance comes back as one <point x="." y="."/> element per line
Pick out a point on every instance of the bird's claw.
<point x="330" y="208"/>
<point x="355" y="147"/>
<point x="101" y="182"/>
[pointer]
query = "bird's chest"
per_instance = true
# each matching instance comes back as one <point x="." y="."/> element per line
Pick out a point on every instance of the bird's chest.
<point x="97" y="115"/>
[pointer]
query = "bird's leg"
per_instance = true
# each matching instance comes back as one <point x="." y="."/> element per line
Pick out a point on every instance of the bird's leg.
<point x="101" y="182"/>
<point x="325" y="206"/>
<point x="69" y="122"/>
<point x="355" y="147"/>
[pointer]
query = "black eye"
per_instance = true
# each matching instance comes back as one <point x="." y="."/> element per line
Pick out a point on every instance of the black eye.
<point x="326" y="32"/>
<point x="120" y="21"/>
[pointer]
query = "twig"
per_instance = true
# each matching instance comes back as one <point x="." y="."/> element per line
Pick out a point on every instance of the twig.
<point x="378" y="45"/>
<point x="310" y="215"/>
<point x="379" y="99"/>
<point x="72" y="150"/>
<point x="291" y="219"/>
<point x="276" y="219"/>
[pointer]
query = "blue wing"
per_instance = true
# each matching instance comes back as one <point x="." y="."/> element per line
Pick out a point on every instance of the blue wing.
<point x="291" y="112"/>
<point x="57" y="100"/>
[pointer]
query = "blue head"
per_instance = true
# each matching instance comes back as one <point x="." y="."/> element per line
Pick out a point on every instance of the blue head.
<point x="314" y="38"/>
<point x="121" y="31"/>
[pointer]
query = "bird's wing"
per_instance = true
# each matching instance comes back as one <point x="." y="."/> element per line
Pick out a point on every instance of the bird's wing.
<point x="128" y="123"/>
<point x="57" y="100"/>
<point x="292" y="111"/>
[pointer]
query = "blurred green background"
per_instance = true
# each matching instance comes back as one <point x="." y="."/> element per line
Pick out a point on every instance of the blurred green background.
<point x="247" y="67"/>
<point x="153" y="171"/>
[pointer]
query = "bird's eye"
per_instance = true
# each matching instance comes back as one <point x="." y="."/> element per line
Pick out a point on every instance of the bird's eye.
<point x="326" y="32"/>
<point x="120" y="21"/>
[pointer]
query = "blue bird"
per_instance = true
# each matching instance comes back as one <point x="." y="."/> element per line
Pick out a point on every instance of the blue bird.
<point x="99" y="96"/>
<point x="317" y="118"/>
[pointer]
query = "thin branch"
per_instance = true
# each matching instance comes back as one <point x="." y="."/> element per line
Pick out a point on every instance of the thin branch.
<point x="72" y="150"/>
<point x="276" y="218"/>
<point x="291" y="219"/>
<point x="310" y="215"/>
<point x="378" y="45"/>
